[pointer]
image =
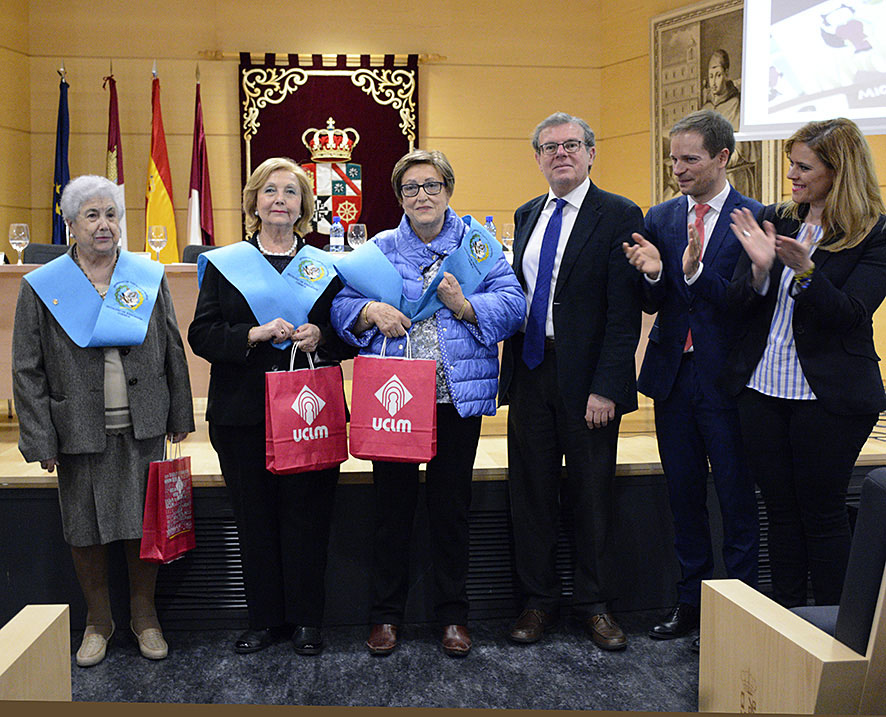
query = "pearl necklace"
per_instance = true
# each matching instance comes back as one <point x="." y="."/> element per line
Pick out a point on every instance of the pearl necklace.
<point x="276" y="253"/>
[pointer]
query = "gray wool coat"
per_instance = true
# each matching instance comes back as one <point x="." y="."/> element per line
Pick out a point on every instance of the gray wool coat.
<point x="58" y="387"/>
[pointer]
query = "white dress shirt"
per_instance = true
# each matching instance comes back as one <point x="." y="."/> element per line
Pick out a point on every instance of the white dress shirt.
<point x="532" y="252"/>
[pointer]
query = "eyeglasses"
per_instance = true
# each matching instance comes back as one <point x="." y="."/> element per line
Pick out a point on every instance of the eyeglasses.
<point x="431" y="188"/>
<point x="570" y="145"/>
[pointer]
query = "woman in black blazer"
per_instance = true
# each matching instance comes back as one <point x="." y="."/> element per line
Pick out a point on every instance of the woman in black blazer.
<point x="804" y="366"/>
<point x="282" y="521"/>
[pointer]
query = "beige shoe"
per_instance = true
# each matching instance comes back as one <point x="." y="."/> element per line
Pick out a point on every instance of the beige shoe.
<point x="151" y="643"/>
<point x="94" y="646"/>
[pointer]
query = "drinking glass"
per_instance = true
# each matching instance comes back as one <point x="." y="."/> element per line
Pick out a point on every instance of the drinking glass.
<point x="157" y="239"/>
<point x="356" y="235"/>
<point x="19" y="238"/>
<point x="507" y="236"/>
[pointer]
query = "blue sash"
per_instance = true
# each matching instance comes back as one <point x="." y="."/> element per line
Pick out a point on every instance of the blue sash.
<point x="369" y="271"/>
<point x="290" y="295"/>
<point x="121" y="319"/>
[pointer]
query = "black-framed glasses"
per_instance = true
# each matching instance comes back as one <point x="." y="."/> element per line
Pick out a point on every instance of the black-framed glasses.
<point x="431" y="188"/>
<point x="570" y="145"/>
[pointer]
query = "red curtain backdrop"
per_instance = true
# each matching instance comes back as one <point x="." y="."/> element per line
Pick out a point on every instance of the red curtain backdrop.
<point x="379" y="100"/>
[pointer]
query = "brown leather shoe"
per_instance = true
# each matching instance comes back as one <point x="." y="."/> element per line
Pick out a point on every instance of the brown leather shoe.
<point x="605" y="632"/>
<point x="530" y="626"/>
<point x="382" y="639"/>
<point x="456" y="640"/>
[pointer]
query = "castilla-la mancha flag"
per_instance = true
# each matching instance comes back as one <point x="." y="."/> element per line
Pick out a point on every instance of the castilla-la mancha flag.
<point x="158" y="197"/>
<point x="114" y="161"/>
<point x="200" y="225"/>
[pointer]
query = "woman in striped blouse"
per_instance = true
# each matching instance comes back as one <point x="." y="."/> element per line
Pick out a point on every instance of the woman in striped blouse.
<point x="803" y="365"/>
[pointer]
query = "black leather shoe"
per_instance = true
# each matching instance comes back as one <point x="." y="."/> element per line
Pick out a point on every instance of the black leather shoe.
<point x="531" y="625"/>
<point x="307" y="640"/>
<point x="695" y="646"/>
<point x="682" y="620"/>
<point x="255" y="640"/>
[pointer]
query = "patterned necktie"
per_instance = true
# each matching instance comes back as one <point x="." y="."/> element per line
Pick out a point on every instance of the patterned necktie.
<point x="534" y="342"/>
<point x="700" y="211"/>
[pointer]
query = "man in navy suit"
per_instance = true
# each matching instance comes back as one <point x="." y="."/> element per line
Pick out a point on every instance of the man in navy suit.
<point x="687" y="257"/>
<point x="569" y="376"/>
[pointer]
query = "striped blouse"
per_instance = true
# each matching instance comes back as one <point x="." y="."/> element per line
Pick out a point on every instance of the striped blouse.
<point x="779" y="373"/>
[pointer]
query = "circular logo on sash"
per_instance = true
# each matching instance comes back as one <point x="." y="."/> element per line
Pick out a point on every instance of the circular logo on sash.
<point x="310" y="270"/>
<point x="479" y="248"/>
<point x="128" y="295"/>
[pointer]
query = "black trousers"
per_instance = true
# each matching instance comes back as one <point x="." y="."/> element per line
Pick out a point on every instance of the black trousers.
<point x="283" y="525"/>
<point x="540" y="433"/>
<point x="448" y="495"/>
<point x="802" y="457"/>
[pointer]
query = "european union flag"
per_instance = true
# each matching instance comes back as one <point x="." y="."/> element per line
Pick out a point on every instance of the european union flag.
<point x="62" y="173"/>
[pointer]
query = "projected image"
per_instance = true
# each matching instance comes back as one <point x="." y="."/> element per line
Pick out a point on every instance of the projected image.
<point x="826" y="58"/>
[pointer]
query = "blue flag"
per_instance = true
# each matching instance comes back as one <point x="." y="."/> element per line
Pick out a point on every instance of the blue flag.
<point x="62" y="173"/>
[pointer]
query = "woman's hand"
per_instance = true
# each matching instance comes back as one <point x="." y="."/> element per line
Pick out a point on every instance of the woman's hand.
<point x="177" y="437"/>
<point x="643" y="256"/>
<point x="759" y="244"/>
<point x="453" y="298"/>
<point x="275" y="331"/>
<point x="49" y="464"/>
<point x="308" y="337"/>
<point x="794" y="254"/>
<point x="390" y="321"/>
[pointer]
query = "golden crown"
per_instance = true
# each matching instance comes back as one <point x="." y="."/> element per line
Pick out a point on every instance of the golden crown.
<point x="330" y="144"/>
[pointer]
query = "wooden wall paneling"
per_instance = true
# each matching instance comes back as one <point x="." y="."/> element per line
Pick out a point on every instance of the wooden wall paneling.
<point x="35" y="655"/>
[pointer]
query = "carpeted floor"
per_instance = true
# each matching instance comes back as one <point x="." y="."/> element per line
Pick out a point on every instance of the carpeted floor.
<point x="563" y="671"/>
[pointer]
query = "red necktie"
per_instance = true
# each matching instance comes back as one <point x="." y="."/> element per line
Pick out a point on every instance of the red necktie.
<point x="700" y="211"/>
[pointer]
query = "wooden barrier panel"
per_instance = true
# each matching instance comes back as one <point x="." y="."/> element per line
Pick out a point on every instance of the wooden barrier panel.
<point x="757" y="656"/>
<point x="35" y="655"/>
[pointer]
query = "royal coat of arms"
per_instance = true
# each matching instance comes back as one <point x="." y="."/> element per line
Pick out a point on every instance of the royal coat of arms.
<point x="338" y="189"/>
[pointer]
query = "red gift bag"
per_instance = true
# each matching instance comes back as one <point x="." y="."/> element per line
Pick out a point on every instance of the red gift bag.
<point x="394" y="408"/>
<point x="168" y="525"/>
<point x="304" y="419"/>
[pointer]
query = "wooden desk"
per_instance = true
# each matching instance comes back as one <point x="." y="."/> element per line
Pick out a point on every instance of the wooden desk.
<point x="182" y="279"/>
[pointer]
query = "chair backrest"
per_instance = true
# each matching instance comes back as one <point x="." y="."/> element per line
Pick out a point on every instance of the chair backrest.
<point x="867" y="561"/>
<point x="192" y="251"/>
<point x="42" y="253"/>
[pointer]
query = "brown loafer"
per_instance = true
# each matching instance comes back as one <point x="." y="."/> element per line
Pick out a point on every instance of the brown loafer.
<point x="456" y="640"/>
<point x="382" y="639"/>
<point x="530" y="626"/>
<point x="605" y="632"/>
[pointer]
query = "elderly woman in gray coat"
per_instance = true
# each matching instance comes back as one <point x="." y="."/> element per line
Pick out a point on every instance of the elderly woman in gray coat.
<point x="100" y="381"/>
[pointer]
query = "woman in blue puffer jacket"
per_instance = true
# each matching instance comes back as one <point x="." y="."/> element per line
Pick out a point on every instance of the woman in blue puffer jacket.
<point x="462" y="337"/>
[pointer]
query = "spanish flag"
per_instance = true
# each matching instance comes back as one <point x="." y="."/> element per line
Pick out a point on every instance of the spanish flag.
<point x="158" y="197"/>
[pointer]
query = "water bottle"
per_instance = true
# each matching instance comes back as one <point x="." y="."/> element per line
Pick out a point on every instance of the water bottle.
<point x="336" y="235"/>
<point x="489" y="226"/>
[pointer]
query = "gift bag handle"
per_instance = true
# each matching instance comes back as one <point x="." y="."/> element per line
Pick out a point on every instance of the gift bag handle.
<point x="295" y="345"/>
<point x="167" y="452"/>
<point x="407" y="353"/>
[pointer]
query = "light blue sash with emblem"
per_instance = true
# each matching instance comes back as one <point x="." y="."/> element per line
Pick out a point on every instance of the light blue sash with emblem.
<point x="290" y="295"/>
<point x="369" y="271"/>
<point x="121" y="319"/>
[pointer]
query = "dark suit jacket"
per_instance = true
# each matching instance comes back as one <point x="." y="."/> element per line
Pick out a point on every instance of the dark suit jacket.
<point x="832" y="322"/>
<point x="680" y="307"/>
<point x="596" y="303"/>
<point x="222" y="320"/>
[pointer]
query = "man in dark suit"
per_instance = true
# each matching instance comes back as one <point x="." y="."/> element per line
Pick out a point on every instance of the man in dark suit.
<point x="687" y="257"/>
<point x="569" y="377"/>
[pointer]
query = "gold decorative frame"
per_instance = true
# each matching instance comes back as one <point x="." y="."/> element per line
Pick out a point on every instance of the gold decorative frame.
<point x="271" y="85"/>
<point x="681" y="44"/>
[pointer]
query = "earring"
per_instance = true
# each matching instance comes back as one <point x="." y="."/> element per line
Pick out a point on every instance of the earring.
<point x="256" y="212"/>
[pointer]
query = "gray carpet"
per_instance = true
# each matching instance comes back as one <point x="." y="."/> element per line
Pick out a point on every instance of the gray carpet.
<point x="563" y="671"/>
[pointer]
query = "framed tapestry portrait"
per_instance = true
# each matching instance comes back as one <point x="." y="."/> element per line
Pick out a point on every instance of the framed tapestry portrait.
<point x="696" y="61"/>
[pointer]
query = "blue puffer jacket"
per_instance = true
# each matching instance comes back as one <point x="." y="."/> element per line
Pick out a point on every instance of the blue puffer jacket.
<point x="470" y="353"/>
